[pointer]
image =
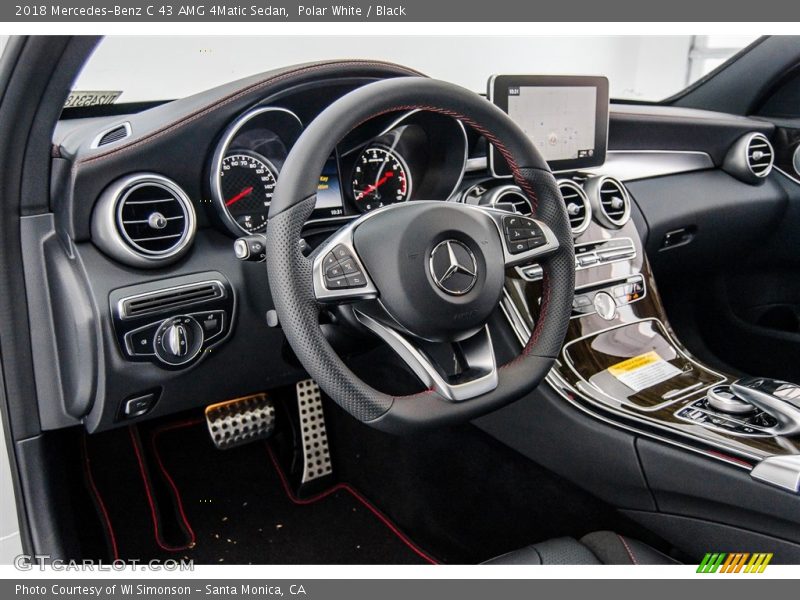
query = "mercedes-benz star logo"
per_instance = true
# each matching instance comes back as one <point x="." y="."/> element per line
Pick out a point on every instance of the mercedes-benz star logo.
<point x="453" y="267"/>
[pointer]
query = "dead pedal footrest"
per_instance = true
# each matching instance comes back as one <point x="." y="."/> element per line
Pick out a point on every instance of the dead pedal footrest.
<point x="313" y="433"/>
<point x="240" y="421"/>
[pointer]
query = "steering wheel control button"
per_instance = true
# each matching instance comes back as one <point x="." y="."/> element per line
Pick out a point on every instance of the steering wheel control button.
<point x="453" y="267"/>
<point x="341" y="253"/>
<point x="178" y="340"/>
<point x="334" y="272"/>
<point x="329" y="261"/>
<point x="522" y="234"/>
<point x="356" y="280"/>
<point x="349" y="267"/>
<point x="605" y="306"/>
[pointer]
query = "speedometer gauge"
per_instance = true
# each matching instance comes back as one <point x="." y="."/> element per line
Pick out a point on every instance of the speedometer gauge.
<point x="380" y="178"/>
<point x="247" y="182"/>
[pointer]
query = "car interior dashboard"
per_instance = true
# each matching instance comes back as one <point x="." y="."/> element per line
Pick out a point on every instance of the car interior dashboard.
<point x="150" y="276"/>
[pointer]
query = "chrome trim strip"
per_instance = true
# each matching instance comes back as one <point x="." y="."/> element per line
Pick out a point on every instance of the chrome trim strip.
<point x="631" y="165"/>
<point x="780" y="471"/>
<point x="123" y="315"/>
<point x="477" y="351"/>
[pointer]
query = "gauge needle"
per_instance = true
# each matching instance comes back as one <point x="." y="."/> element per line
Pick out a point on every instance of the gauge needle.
<point x="245" y="192"/>
<point x="371" y="188"/>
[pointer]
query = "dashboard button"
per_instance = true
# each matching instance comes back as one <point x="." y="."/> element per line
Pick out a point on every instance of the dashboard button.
<point x="212" y="322"/>
<point x="140" y="341"/>
<point x="586" y="260"/>
<point x="536" y="242"/>
<point x="139" y="405"/>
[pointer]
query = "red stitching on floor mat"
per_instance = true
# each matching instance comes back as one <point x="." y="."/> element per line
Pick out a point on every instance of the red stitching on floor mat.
<point x="168" y="477"/>
<point x="151" y="500"/>
<point x="355" y="494"/>
<point x="87" y="464"/>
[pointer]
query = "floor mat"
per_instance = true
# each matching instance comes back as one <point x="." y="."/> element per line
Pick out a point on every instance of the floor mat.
<point x="462" y="494"/>
<point x="241" y="511"/>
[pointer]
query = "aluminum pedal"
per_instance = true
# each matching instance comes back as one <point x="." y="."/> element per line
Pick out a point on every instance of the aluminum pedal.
<point x="240" y="421"/>
<point x="314" y="435"/>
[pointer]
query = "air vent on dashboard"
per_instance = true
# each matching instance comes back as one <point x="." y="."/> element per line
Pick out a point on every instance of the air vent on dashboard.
<point x="610" y="201"/>
<point x="170" y="298"/>
<point x="750" y="158"/>
<point x="760" y="155"/>
<point x="114" y="134"/>
<point x="144" y="220"/>
<point x="509" y="197"/>
<point x="579" y="210"/>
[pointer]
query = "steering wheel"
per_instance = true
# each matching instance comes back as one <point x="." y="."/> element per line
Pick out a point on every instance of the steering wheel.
<point x="422" y="271"/>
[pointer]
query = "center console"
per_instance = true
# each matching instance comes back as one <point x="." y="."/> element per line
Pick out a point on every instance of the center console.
<point x="622" y="360"/>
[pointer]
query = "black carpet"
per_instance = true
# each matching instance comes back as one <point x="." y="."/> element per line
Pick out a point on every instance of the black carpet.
<point x="234" y="507"/>
<point x="462" y="494"/>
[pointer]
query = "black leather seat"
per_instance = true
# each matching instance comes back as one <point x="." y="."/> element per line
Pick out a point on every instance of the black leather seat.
<point x="598" y="548"/>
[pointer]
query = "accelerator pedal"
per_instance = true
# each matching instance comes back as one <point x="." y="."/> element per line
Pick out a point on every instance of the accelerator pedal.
<point x="313" y="433"/>
<point x="240" y="421"/>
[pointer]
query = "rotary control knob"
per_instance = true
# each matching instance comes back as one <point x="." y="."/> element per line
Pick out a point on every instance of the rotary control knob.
<point x="605" y="306"/>
<point x="178" y="340"/>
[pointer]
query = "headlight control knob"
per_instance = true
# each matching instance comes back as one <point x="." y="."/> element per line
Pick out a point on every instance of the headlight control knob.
<point x="178" y="340"/>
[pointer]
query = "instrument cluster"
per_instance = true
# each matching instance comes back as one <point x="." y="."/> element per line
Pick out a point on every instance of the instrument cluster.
<point x="398" y="158"/>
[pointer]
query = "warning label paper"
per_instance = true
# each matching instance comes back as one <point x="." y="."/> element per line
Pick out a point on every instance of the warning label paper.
<point x="643" y="371"/>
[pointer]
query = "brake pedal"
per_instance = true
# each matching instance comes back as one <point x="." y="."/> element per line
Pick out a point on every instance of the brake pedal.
<point x="313" y="433"/>
<point x="240" y="421"/>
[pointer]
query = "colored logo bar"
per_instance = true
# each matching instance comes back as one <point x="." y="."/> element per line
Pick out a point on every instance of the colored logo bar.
<point x="734" y="562"/>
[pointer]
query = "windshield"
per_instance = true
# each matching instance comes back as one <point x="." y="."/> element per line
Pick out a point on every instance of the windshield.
<point x="646" y="68"/>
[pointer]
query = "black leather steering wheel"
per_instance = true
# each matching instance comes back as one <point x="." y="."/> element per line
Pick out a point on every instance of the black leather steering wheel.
<point x="420" y="271"/>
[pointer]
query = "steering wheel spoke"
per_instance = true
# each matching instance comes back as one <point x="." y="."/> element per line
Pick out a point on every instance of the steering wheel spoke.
<point x="525" y="239"/>
<point x="473" y="371"/>
<point x="339" y="273"/>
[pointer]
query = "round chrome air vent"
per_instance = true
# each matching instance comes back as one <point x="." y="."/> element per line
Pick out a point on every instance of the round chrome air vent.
<point x="144" y="220"/>
<point x="750" y="158"/>
<point x="610" y="201"/>
<point x="579" y="210"/>
<point x="509" y="196"/>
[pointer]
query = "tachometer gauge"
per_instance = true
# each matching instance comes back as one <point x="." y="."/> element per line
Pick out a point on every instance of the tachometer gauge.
<point x="247" y="182"/>
<point x="380" y="178"/>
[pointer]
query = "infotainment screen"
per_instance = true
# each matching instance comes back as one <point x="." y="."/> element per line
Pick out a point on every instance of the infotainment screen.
<point x="566" y="117"/>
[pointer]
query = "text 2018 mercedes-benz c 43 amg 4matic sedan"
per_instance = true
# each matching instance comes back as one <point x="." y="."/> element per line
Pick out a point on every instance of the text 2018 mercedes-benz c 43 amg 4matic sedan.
<point x="342" y="311"/>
